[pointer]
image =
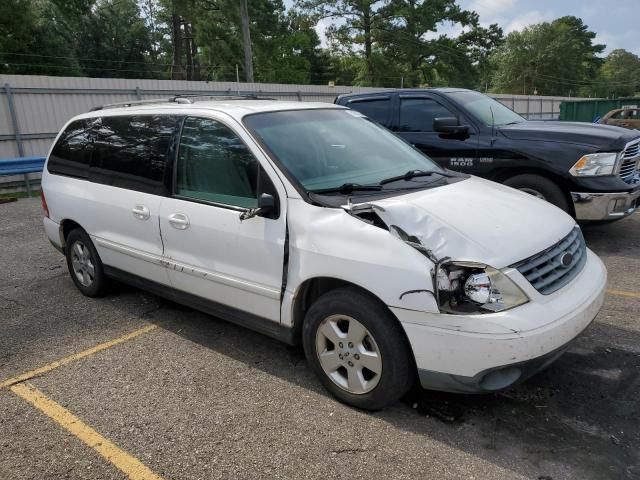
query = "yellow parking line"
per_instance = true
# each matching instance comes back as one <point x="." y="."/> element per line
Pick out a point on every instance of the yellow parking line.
<point x="623" y="293"/>
<point x="129" y="465"/>
<point x="76" y="356"/>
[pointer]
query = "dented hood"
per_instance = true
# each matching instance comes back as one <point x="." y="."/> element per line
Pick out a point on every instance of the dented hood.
<point x="477" y="220"/>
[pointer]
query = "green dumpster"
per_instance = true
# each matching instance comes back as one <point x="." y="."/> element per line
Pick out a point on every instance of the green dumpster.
<point x="593" y="110"/>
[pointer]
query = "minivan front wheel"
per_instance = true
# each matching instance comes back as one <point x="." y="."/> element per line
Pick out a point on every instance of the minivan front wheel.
<point x="358" y="349"/>
<point x="84" y="264"/>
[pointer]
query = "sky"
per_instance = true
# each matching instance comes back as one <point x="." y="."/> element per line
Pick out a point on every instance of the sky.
<point x="616" y="22"/>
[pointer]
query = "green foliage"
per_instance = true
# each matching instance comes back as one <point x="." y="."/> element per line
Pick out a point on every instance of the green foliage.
<point x="36" y="38"/>
<point x="384" y="43"/>
<point x="115" y="41"/>
<point x="557" y="58"/>
<point x="394" y="40"/>
<point x="619" y="75"/>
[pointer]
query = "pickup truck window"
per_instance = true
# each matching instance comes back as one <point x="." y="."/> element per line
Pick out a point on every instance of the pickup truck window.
<point x="376" y="109"/>
<point x="417" y="114"/>
<point x="485" y="109"/>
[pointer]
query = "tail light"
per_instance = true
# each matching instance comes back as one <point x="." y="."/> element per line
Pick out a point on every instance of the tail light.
<point x="45" y="208"/>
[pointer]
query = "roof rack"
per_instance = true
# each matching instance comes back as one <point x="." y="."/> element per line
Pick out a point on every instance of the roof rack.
<point x="239" y="96"/>
<point x="180" y="98"/>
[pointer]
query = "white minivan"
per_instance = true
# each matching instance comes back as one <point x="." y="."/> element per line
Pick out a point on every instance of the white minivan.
<point x="312" y="224"/>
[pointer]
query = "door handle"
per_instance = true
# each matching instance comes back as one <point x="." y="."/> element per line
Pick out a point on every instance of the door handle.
<point x="179" y="221"/>
<point x="141" y="212"/>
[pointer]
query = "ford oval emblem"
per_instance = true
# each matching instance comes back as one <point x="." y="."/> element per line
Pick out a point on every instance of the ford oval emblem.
<point x="566" y="259"/>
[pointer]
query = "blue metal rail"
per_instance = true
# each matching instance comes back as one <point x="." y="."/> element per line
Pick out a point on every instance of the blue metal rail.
<point x="22" y="166"/>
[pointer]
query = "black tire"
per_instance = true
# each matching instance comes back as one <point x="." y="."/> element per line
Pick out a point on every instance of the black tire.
<point x="398" y="369"/>
<point x="546" y="188"/>
<point x="99" y="283"/>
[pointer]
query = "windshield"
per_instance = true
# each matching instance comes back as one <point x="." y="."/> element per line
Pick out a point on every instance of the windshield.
<point x="324" y="149"/>
<point x="481" y="107"/>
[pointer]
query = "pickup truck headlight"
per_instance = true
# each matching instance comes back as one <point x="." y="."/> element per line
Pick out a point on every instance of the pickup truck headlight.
<point x="470" y="288"/>
<point x="595" y="165"/>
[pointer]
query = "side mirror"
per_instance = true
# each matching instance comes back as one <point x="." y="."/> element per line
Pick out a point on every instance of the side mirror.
<point x="450" y="126"/>
<point x="266" y="206"/>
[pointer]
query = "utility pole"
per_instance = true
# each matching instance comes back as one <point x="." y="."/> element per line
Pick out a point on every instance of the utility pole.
<point x="246" y="41"/>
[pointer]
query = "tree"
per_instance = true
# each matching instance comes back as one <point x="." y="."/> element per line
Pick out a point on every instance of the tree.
<point x="246" y="41"/>
<point x="395" y="40"/>
<point x="619" y="75"/>
<point x="557" y="58"/>
<point x="37" y="37"/>
<point x="284" y="44"/>
<point x="115" y="41"/>
<point x="18" y="21"/>
<point x="404" y="37"/>
<point x="360" y="19"/>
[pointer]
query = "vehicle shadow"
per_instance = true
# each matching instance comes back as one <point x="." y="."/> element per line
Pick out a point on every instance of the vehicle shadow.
<point x="616" y="238"/>
<point x="582" y="415"/>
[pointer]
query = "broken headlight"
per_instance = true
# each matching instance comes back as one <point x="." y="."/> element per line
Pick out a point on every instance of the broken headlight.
<point x="471" y="288"/>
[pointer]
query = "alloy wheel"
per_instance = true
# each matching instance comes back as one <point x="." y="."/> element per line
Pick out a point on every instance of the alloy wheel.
<point x="348" y="354"/>
<point x="83" y="267"/>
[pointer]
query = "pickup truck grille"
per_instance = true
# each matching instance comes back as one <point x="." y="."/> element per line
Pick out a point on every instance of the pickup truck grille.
<point x="629" y="165"/>
<point x="557" y="265"/>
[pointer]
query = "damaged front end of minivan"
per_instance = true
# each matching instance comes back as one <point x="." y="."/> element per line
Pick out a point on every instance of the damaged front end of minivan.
<point x="465" y="287"/>
<point x="475" y="322"/>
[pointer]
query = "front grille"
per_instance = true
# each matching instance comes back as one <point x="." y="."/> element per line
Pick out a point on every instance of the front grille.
<point x="629" y="166"/>
<point x="545" y="270"/>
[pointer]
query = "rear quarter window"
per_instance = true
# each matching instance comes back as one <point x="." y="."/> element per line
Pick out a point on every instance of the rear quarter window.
<point x="132" y="152"/>
<point x="71" y="155"/>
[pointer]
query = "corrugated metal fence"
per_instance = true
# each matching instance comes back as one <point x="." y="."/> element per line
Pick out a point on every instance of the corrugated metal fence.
<point x="33" y="108"/>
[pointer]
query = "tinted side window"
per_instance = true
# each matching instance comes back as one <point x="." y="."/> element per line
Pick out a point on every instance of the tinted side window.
<point x="417" y="114"/>
<point x="71" y="154"/>
<point x="215" y="165"/>
<point x="132" y="152"/>
<point x="378" y="109"/>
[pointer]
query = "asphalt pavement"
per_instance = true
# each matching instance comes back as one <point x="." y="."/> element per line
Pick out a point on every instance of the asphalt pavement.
<point x="193" y="397"/>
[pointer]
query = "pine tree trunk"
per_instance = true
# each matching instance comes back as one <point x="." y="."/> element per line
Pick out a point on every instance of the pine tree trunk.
<point x="194" y="53"/>
<point x="177" y="72"/>
<point x="246" y="42"/>
<point x="188" y="50"/>
<point x="368" y="45"/>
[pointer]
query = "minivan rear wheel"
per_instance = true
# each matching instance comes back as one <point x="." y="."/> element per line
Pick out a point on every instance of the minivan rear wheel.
<point x="540" y="187"/>
<point x="84" y="264"/>
<point x="358" y="349"/>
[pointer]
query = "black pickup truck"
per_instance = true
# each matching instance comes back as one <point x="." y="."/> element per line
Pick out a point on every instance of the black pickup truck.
<point x="590" y="171"/>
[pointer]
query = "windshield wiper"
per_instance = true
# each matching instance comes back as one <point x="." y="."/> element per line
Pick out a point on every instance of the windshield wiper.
<point x="348" y="188"/>
<point x="414" y="173"/>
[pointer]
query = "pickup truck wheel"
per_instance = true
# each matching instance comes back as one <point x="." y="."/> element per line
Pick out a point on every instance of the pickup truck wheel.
<point x="540" y="187"/>
<point x="84" y="264"/>
<point x="358" y="349"/>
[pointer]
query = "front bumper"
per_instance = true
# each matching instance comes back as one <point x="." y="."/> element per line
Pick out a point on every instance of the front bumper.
<point x="475" y="354"/>
<point x="605" y="206"/>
